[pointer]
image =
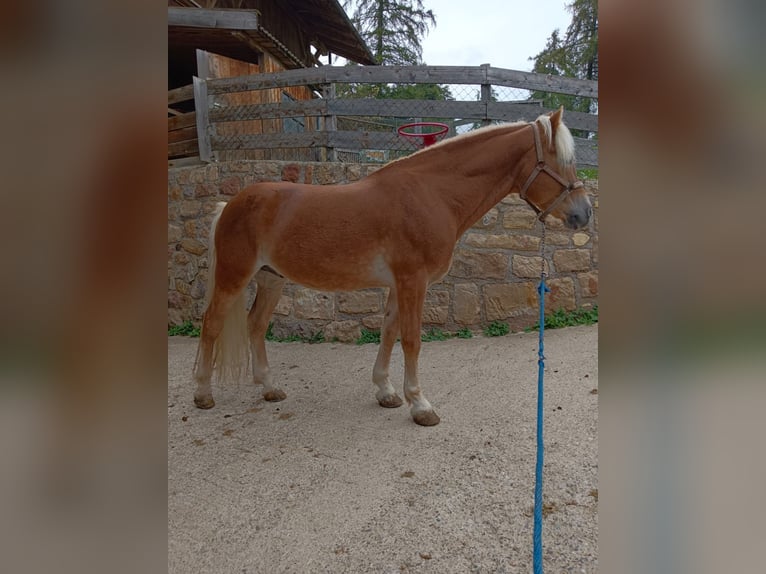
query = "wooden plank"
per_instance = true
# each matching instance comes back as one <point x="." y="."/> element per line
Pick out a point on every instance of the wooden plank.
<point x="352" y="74"/>
<point x="270" y="110"/>
<point x="182" y="121"/>
<point x="177" y="149"/>
<point x="225" y="19"/>
<point x="409" y="75"/>
<point x="542" y="82"/>
<point x="184" y="134"/>
<point x="182" y="94"/>
<point x="408" y="108"/>
<point x="270" y="140"/>
<point x="372" y="140"/>
<point x="203" y="122"/>
<point x="586" y="152"/>
<point x="520" y="111"/>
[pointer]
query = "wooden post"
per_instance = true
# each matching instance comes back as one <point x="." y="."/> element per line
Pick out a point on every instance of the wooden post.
<point x="203" y="122"/>
<point x="486" y="94"/>
<point x="330" y="123"/>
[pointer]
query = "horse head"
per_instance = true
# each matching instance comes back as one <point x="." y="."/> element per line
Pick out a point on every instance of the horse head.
<point x="552" y="186"/>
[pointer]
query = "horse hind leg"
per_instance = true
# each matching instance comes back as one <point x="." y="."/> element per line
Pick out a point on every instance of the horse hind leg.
<point x="386" y="394"/>
<point x="223" y="340"/>
<point x="266" y="298"/>
<point x="220" y="346"/>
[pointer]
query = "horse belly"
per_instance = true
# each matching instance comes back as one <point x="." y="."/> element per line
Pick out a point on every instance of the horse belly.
<point x="337" y="273"/>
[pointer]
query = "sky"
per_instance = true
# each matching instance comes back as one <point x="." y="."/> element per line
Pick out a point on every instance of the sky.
<point x="503" y="33"/>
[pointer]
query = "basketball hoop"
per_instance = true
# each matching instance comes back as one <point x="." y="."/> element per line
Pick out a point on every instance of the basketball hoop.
<point x="428" y="138"/>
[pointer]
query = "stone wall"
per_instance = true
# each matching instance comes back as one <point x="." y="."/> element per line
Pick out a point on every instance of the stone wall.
<point x="494" y="272"/>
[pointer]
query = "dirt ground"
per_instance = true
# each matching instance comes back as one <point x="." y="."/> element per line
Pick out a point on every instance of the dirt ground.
<point x="328" y="481"/>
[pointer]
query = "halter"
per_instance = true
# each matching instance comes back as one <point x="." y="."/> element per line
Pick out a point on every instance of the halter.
<point x="541" y="166"/>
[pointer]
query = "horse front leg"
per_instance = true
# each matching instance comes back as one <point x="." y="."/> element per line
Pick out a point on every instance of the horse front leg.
<point x="386" y="394"/>
<point x="411" y="296"/>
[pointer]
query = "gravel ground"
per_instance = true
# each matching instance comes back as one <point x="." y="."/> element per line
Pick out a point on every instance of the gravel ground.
<point x="328" y="481"/>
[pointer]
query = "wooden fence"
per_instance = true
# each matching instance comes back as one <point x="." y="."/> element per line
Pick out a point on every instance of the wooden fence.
<point x="314" y="126"/>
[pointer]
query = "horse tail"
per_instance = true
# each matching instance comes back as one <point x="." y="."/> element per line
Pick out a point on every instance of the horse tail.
<point x="231" y="350"/>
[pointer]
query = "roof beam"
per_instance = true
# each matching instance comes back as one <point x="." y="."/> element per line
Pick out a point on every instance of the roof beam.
<point x="221" y="19"/>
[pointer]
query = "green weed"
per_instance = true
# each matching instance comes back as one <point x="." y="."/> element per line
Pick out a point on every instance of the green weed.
<point x="464" y="333"/>
<point x="497" y="329"/>
<point x="434" y="334"/>
<point x="561" y="318"/>
<point x="186" y="329"/>
<point x="368" y="337"/>
<point x="587" y="173"/>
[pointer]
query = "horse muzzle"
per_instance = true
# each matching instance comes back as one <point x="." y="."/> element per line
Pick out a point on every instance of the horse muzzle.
<point x="579" y="216"/>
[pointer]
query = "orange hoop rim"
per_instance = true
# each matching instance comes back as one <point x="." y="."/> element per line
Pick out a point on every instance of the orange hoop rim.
<point x="443" y="129"/>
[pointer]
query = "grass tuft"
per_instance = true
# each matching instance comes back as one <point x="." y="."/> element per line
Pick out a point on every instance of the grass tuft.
<point x="186" y="329"/>
<point x="497" y="329"/>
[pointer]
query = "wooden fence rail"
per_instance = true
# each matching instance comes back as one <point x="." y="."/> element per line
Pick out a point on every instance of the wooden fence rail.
<point x="224" y="126"/>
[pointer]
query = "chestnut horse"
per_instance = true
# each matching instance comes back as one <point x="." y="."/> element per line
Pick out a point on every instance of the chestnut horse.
<point x="396" y="228"/>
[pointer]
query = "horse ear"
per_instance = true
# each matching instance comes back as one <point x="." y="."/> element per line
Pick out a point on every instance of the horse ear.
<point x="556" y="118"/>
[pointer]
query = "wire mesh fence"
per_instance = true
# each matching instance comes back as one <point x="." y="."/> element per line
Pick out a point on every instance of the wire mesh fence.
<point x="344" y="115"/>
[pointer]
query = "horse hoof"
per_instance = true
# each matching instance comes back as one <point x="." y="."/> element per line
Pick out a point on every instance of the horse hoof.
<point x="204" y="402"/>
<point x="390" y="402"/>
<point x="275" y="395"/>
<point x="426" y="418"/>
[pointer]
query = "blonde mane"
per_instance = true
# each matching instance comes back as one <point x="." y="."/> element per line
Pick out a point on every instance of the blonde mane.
<point x="564" y="144"/>
<point x="565" y="147"/>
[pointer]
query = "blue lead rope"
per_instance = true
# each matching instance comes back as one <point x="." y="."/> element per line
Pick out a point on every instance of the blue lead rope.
<point x="537" y="536"/>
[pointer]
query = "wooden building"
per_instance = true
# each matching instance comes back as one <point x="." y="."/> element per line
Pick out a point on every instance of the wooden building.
<point x="227" y="38"/>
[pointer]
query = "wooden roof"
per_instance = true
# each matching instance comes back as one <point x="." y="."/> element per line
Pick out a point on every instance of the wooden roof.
<point x="232" y="28"/>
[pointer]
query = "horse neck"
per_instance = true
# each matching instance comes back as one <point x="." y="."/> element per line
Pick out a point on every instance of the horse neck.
<point x="473" y="173"/>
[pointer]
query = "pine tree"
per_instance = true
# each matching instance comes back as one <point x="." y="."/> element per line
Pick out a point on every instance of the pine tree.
<point x="392" y="28"/>
<point x="575" y="56"/>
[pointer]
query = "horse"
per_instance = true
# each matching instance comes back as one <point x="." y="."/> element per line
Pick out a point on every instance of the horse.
<point x="396" y="228"/>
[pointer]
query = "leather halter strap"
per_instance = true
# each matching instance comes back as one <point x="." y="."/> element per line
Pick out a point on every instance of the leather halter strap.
<point x="541" y="166"/>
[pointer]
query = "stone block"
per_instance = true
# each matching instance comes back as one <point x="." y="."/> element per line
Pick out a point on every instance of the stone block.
<point x="177" y="300"/>
<point x="310" y="304"/>
<point x="588" y="284"/>
<point x="205" y="190"/>
<point x="193" y="246"/>
<point x="503" y="241"/>
<point x="562" y="295"/>
<point x="528" y="267"/>
<point x="190" y="208"/>
<point x="326" y="173"/>
<point x="475" y="265"/>
<point x="557" y="238"/>
<point x="291" y="172"/>
<point x="343" y="331"/>
<point x="284" y="306"/>
<point x="359" y="302"/>
<point x="181" y="258"/>
<point x="231" y="186"/>
<point x="174" y="233"/>
<point x="580" y="239"/>
<point x="571" y="260"/>
<point x="373" y="322"/>
<point x="505" y="300"/>
<point x="466" y="308"/>
<point x="436" y="307"/>
<point x="353" y="172"/>
<point x="519" y="219"/>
